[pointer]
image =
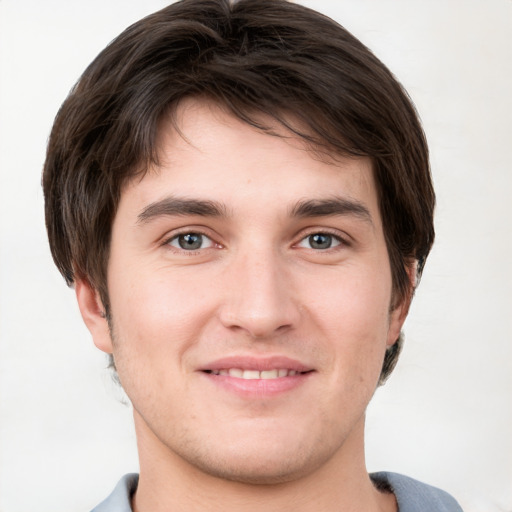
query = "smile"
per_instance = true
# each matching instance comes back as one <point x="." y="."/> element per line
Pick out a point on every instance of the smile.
<point x="257" y="377"/>
<point x="240" y="373"/>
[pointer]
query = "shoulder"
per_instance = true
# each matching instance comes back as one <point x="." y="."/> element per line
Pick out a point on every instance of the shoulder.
<point x="120" y="498"/>
<point x="414" y="496"/>
<point x="411" y="495"/>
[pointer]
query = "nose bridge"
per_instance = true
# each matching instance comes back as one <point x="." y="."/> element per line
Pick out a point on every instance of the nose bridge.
<point x="259" y="298"/>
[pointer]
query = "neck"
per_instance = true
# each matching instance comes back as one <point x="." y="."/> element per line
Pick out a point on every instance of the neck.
<point x="168" y="482"/>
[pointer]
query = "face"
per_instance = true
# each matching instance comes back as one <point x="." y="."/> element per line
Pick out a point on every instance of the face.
<point x="250" y="292"/>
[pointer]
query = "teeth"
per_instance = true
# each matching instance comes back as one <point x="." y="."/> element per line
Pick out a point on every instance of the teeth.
<point x="255" y="374"/>
<point x="251" y="374"/>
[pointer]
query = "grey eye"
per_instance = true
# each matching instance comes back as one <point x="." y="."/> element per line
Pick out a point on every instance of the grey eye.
<point x="320" y="241"/>
<point x="191" y="241"/>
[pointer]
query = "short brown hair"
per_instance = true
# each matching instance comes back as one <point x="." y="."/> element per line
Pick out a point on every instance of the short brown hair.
<point x="267" y="57"/>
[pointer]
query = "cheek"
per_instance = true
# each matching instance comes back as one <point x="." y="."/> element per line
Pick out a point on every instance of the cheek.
<point x="154" y="323"/>
<point x="353" y="315"/>
<point x="155" y="319"/>
<point x="156" y="299"/>
<point x="355" y="302"/>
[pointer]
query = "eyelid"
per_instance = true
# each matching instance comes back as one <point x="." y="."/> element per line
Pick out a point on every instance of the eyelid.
<point x="174" y="234"/>
<point x="342" y="238"/>
<point x="203" y="238"/>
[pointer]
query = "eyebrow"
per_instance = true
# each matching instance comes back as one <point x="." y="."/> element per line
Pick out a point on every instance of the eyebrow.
<point x="173" y="206"/>
<point x="332" y="206"/>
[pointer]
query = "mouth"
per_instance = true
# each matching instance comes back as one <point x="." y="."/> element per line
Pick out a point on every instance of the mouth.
<point x="257" y="377"/>
<point x="249" y="374"/>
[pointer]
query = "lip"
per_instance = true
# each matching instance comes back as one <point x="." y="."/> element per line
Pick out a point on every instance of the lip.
<point x="256" y="363"/>
<point x="257" y="388"/>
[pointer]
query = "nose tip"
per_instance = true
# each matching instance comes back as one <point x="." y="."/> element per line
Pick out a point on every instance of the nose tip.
<point x="260" y="301"/>
<point x="258" y="324"/>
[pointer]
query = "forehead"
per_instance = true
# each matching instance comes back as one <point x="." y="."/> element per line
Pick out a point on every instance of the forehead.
<point x="200" y="123"/>
<point x="206" y="152"/>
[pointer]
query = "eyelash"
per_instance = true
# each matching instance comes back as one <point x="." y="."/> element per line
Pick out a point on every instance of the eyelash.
<point x="175" y="236"/>
<point x="341" y="241"/>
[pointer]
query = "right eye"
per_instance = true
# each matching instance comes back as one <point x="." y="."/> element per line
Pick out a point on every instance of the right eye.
<point x="190" y="241"/>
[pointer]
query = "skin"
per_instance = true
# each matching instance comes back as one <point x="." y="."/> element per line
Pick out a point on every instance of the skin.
<point x="256" y="288"/>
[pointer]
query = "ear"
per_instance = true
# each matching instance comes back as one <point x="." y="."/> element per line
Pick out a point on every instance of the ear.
<point x="93" y="314"/>
<point x="399" y="313"/>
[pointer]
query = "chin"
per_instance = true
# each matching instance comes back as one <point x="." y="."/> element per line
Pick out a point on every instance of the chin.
<point x="257" y="472"/>
<point x="254" y="463"/>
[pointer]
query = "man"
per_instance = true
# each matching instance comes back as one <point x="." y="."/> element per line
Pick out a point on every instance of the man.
<point x="240" y="194"/>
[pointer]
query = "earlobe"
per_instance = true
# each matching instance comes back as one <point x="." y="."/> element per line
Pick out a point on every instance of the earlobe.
<point x="93" y="314"/>
<point x="399" y="313"/>
<point x="397" y="319"/>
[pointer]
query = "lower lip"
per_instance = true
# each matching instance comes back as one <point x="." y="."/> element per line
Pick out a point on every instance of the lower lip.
<point x="258" y="388"/>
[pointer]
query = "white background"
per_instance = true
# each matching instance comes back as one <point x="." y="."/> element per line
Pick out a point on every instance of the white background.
<point x="444" y="417"/>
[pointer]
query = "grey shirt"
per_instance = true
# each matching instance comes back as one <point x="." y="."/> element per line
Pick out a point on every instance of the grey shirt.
<point x="411" y="495"/>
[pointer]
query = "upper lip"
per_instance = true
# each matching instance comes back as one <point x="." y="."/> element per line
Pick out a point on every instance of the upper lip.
<point x="261" y="363"/>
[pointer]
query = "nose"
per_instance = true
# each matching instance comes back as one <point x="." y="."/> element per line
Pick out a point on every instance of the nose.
<point x="259" y="296"/>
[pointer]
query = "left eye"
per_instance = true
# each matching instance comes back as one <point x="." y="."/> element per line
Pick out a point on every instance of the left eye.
<point x="320" y="241"/>
<point x="191" y="241"/>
